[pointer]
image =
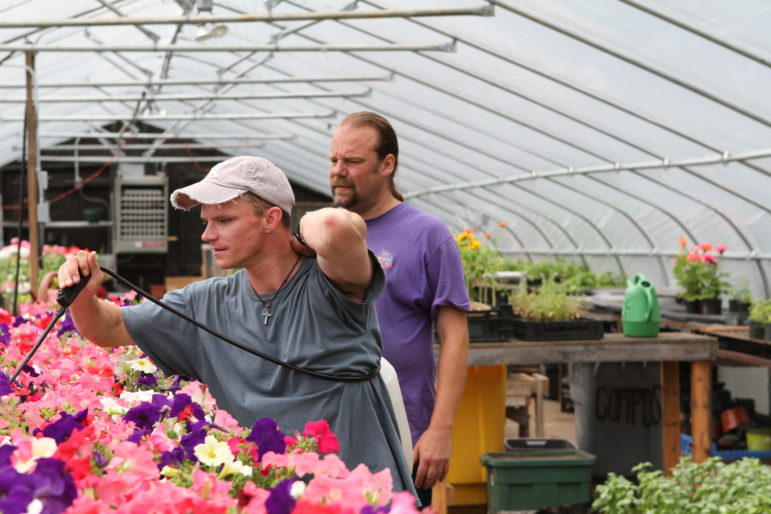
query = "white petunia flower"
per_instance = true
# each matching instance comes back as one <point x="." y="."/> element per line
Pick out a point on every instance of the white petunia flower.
<point x="235" y="467"/>
<point x="35" y="507"/>
<point x="138" y="396"/>
<point x="110" y="406"/>
<point x="144" y="365"/>
<point x="297" y="489"/>
<point x="213" y="453"/>
<point x="41" y="448"/>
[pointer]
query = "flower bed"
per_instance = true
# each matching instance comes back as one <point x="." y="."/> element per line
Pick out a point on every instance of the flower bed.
<point x="89" y="430"/>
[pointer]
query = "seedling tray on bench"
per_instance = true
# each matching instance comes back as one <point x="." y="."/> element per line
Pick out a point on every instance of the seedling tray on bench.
<point x="581" y="328"/>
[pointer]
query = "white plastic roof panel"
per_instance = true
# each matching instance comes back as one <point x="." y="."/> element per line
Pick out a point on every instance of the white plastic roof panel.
<point x="598" y="130"/>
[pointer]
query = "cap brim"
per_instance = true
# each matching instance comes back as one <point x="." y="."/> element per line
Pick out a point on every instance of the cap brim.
<point x="203" y="192"/>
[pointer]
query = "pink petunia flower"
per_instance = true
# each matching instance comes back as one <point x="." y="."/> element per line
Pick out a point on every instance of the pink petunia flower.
<point x="710" y="259"/>
<point x="720" y="249"/>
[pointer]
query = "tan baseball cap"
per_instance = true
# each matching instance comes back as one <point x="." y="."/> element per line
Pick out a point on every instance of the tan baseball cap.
<point x="232" y="178"/>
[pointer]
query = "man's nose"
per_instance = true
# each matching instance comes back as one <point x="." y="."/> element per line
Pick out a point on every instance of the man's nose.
<point x="208" y="233"/>
<point x="337" y="169"/>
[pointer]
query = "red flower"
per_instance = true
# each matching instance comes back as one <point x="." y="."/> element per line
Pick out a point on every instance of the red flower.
<point x="327" y="440"/>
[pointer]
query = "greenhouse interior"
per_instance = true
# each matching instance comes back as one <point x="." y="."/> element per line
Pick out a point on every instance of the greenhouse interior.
<point x="586" y="322"/>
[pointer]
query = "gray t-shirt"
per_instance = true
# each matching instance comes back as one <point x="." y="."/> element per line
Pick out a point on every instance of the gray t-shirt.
<point x="314" y="326"/>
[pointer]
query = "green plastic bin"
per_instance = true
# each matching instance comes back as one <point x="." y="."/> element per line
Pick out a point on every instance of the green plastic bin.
<point x="531" y="479"/>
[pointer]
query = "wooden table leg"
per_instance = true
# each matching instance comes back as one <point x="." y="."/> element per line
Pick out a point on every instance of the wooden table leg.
<point x="439" y="499"/>
<point x="700" y="409"/>
<point x="540" y="385"/>
<point x="670" y="414"/>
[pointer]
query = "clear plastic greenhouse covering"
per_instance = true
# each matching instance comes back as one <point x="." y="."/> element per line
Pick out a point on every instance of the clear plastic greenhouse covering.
<point x="599" y="131"/>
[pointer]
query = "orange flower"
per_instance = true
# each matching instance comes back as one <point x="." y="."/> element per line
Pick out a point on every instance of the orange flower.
<point x="503" y="223"/>
<point x="468" y="231"/>
<point x="705" y="247"/>
<point x="488" y="234"/>
<point x="683" y="241"/>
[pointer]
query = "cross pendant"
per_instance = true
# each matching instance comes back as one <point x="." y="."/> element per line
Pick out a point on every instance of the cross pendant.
<point x="266" y="313"/>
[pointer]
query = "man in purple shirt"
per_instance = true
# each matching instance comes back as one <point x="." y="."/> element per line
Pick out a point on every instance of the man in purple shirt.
<point x="424" y="288"/>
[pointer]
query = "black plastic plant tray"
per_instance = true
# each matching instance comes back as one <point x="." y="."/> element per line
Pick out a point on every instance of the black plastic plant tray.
<point x="577" y="329"/>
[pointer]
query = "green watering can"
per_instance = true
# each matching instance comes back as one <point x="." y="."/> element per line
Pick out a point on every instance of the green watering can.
<point x="640" y="316"/>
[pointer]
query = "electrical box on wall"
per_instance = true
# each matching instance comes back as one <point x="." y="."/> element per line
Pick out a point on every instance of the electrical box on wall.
<point x="141" y="216"/>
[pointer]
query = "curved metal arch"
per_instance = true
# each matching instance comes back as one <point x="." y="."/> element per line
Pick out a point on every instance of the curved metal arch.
<point x="693" y="30"/>
<point x="525" y="219"/>
<point x="721" y="215"/>
<point x="508" y="209"/>
<point x="623" y="213"/>
<point x="634" y="62"/>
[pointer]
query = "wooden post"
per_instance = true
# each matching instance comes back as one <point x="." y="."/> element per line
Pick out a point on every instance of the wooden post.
<point x="670" y="414"/>
<point x="700" y="409"/>
<point x="31" y="118"/>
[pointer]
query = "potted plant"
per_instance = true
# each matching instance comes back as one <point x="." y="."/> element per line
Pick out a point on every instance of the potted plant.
<point x="741" y="297"/>
<point x="550" y="313"/>
<point x="760" y="319"/>
<point x="480" y="264"/>
<point x="699" y="277"/>
<point x="741" y="486"/>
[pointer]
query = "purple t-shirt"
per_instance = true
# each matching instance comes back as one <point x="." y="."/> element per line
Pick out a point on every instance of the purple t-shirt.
<point x="423" y="272"/>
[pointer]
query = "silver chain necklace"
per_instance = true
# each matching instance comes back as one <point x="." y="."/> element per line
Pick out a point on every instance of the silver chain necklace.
<point x="266" y="314"/>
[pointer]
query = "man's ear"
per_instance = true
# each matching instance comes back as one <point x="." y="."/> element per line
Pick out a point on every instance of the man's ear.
<point x="387" y="166"/>
<point x="273" y="217"/>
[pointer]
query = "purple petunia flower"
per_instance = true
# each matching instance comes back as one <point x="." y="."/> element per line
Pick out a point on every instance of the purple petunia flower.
<point x="15" y="491"/>
<point x="176" y="384"/>
<point x="137" y="435"/>
<point x="19" y="321"/>
<point x="53" y="485"/>
<point x="195" y="436"/>
<point x="6" y="451"/>
<point x="99" y="459"/>
<point x="145" y="415"/>
<point x="148" y="380"/>
<point x="181" y="400"/>
<point x="5" y="385"/>
<point x="67" y="325"/>
<point x="173" y="458"/>
<point x="5" y="334"/>
<point x="372" y="509"/>
<point x="61" y="429"/>
<point x="280" y="500"/>
<point x="267" y="436"/>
